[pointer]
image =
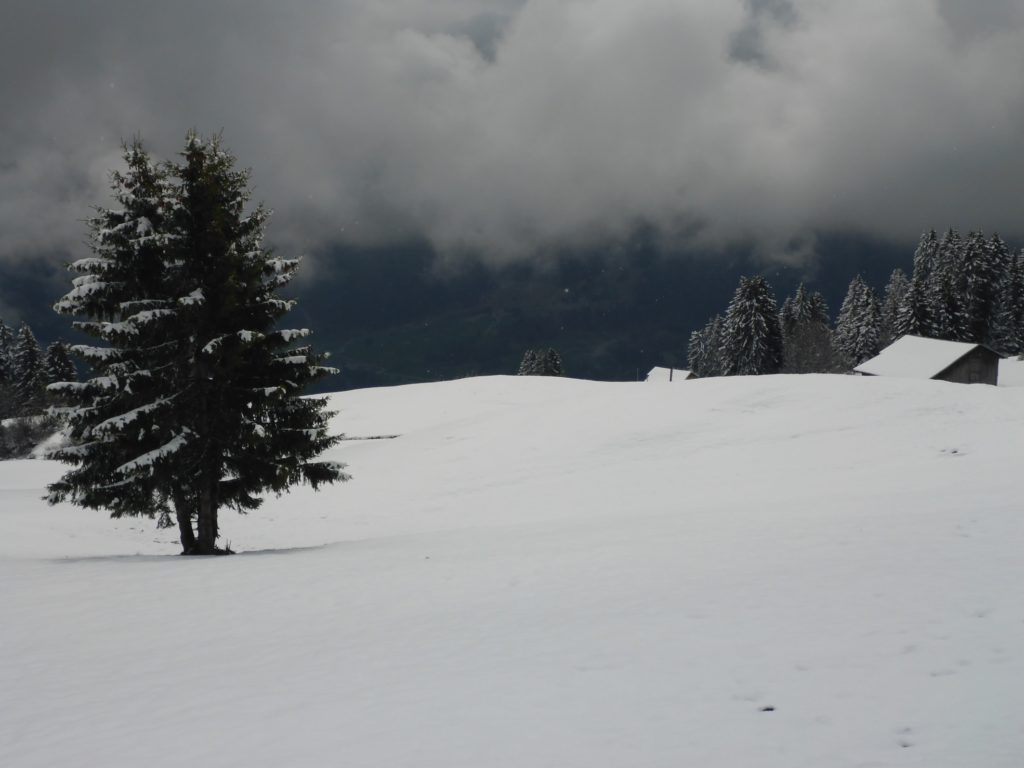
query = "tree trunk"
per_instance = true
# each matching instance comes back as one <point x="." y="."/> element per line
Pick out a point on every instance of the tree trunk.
<point x="207" y="525"/>
<point x="184" y="515"/>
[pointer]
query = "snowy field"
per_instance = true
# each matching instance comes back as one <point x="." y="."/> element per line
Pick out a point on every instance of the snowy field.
<point x="773" y="572"/>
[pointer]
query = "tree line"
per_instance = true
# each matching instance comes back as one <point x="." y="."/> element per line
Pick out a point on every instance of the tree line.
<point x="26" y="369"/>
<point x="967" y="289"/>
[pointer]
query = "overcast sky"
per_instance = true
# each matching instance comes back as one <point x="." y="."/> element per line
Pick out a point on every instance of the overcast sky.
<point x="511" y="125"/>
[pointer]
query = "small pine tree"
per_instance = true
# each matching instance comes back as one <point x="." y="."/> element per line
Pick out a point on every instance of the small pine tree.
<point x="7" y="398"/>
<point x="29" y="372"/>
<point x="752" y="339"/>
<point x="857" y="328"/>
<point x="895" y="298"/>
<point x="58" y="366"/>
<point x="530" y="364"/>
<point x="787" y="315"/>
<point x="541" y="362"/>
<point x="551" y="364"/>
<point x="946" y="291"/>
<point x="806" y="335"/>
<point x="913" y="317"/>
<point x="704" y="350"/>
<point x="1008" y="326"/>
<point x="983" y="267"/>
<point x="195" y="404"/>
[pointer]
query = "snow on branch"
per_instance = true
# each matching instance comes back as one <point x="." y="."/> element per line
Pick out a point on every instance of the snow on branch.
<point x="193" y="299"/>
<point x="98" y="354"/>
<point x="118" y="423"/>
<point x="289" y="336"/>
<point x="147" y="460"/>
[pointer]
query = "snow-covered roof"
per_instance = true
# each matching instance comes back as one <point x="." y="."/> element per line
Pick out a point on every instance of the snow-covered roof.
<point x="914" y="357"/>
<point x="668" y="374"/>
<point x="1011" y="372"/>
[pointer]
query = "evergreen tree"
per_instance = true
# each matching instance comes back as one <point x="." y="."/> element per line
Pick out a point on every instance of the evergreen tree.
<point x="7" y="397"/>
<point x="806" y="335"/>
<point x="551" y="364"/>
<point x="541" y="362"/>
<point x="530" y="365"/>
<point x="697" y="353"/>
<point x="29" y="372"/>
<point x="715" y="363"/>
<point x="195" y="404"/>
<point x="1008" y="326"/>
<point x="914" y="316"/>
<point x="704" y="351"/>
<point x="787" y="315"/>
<point x="983" y="267"/>
<point x="752" y="338"/>
<point x="858" y="327"/>
<point x="946" y="286"/>
<point x="896" y="293"/>
<point x="57" y="365"/>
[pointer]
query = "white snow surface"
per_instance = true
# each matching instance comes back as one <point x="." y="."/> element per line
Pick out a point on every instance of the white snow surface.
<point x="1011" y="372"/>
<point x="915" y="357"/>
<point x="548" y="572"/>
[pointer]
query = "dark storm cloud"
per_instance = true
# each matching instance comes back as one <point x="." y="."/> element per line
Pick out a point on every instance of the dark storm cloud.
<point x="504" y="125"/>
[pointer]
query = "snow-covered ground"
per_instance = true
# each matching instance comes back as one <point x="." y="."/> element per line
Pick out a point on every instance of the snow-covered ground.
<point x="780" y="572"/>
<point x="1011" y="372"/>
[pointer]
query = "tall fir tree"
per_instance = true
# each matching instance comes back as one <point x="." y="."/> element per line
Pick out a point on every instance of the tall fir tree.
<point x="914" y="316"/>
<point x="541" y="362"/>
<point x="704" y="351"/>
<point x="551" y="364"/>
<point x="195" y="403"/>
<point x="806" y="335"/>
<point x="946" y="284"/>
<point x="787" y="315"/>
<point x="7" y="398"/>
<point x="983" y="267"/>
<point x="857" y="336"/>
<point x="530" y="364"/>
<point x="895" y="297"/>
<point x="29" y="372"/>
<point x="752" y="336"/>
<point x="1008" y="326"/>
<point x="57" y="365"/>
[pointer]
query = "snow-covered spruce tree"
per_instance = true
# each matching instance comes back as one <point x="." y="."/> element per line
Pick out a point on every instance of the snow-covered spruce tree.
<point x="894" y="299"/>
<point x="551" y="363"/>
<point x="57" y="364"/>
<point x="806" y="335"/>
<point x="752" y="337"/>
<point x="29" y="372"/>
<point x="530" y="364"/>
<point x="1008" y="328"/>
<point x="195" y="402"/>
<point x="858" y="324"/>
<point x="697" y="352"/>
<point x="911" y="318"/>
<point x="7" y="400"/>
<point x="946" y="291"/>
<point x="787" y="315"/>
<point x="914" y="315"/>
<point x="704" y="350"/>
<point x="541" y="362"/>
<point x="985" y="266"/>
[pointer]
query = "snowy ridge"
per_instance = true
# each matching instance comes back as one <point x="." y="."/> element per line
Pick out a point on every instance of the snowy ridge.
<point x="775" y="571"/>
